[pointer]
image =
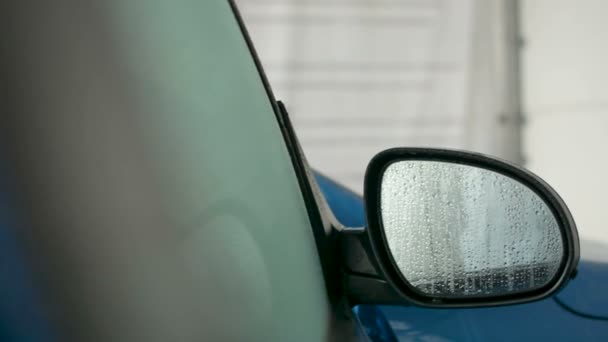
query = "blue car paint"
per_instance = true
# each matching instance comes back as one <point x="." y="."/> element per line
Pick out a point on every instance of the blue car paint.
<point x="346" y="205"/>
<point x="587" y="293"/>
<point x="22" y="317"/>
<point x="569" y="319"/>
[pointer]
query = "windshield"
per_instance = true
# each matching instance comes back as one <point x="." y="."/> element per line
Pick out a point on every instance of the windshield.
<point x="161" y="195"/>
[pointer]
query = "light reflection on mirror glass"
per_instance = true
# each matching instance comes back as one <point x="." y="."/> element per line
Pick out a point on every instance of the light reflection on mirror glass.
<point x="456" y="230"/>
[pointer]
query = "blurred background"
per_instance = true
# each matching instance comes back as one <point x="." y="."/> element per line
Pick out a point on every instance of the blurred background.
<point x="520" y="80"/>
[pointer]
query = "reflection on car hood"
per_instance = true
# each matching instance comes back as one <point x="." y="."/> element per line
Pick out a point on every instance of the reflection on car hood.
<point x="586" y="294"/>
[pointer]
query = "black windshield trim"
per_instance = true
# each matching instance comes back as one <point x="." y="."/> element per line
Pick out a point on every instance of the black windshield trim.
<point x="318" y="218"/>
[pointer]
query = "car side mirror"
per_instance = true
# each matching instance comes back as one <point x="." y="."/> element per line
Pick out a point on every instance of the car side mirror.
<point x="451" y="228"/>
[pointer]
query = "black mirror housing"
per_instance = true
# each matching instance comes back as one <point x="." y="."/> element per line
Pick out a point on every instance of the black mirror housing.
<point x="545" y="249"/>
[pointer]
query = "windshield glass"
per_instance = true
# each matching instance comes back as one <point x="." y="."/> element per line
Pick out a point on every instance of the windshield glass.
<point x="165" y="200"/>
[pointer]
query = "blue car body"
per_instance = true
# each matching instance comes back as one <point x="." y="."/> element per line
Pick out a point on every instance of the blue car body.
<point x="577" y="313"/>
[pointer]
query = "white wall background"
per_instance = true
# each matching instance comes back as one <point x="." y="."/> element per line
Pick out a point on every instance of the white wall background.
<point x="566" y="104"/>
<point x="360" y="76"/>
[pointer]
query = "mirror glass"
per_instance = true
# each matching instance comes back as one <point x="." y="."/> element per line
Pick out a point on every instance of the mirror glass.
<point x="461" y="231"/>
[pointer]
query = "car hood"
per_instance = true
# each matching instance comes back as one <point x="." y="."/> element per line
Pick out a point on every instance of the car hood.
<point x="586" y="294"/>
